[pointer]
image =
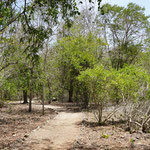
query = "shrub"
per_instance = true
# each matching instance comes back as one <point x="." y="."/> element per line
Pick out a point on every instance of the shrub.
<point x="127" y="85"/>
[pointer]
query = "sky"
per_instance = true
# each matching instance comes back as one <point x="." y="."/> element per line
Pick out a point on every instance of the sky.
<point x="142" y="3"/>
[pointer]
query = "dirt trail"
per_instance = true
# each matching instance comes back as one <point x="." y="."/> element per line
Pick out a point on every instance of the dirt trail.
<point x="59" y="133"/>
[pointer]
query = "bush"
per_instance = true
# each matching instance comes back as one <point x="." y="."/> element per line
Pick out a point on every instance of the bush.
<point x="97" y="82"/>
<point x="128" y="85"/>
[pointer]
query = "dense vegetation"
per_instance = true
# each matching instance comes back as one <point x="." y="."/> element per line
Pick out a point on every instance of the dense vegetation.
<point x="51" y="50"/>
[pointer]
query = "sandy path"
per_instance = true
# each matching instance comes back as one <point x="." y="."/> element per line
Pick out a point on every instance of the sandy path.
<point x="59" y="133"/>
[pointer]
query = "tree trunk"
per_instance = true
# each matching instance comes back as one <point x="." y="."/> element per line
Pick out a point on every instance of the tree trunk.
<point x="77" y="96"/>
<point x="25" y="100"/>
<point x="85" y="97"/>
<point x="30" y="99"/>
<point x="70" y="91"/>
<point x="100" y="111"/>
<point x="43" y="99"/>
<point x="44" y="68"/>
<point x="50" y="92"/>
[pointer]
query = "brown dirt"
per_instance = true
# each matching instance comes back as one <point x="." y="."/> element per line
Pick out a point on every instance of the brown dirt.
<point x="59" y="133"/>
<point x="109" y="137"/>
<point x="21" y="130"/>
<point x="16" y="123"/>
<point x="46" y="134"/>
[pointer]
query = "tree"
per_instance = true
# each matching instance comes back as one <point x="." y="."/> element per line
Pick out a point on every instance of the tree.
<point x="34" y="34"/>
<point x="77" y="53"/>
<point x="121" y="27"/>
<point x="10" y="12"/>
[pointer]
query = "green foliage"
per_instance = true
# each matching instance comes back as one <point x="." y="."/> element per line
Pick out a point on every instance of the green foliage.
<point x="132" y="141"/>
<point x="107" y="85"/>
<point x="80" y="51"/>
<point x="77" y="53"/>
<point x="128" y="81"/>
<point x="96" y="80"/>
<point x="78" y="63"/>
<point x="6" y="12"/>
<point x="121" y="28"/>
<point x="106" y="136"/>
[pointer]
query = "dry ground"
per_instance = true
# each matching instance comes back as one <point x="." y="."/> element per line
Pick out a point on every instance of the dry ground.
<point x="63" y="128"/>
<point x="111" y="136"/>
<point x="59" y="133"/>
<point x="16" y="123"/>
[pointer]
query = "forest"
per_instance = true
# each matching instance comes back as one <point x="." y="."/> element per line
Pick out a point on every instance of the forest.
<point x="63" y="62"/>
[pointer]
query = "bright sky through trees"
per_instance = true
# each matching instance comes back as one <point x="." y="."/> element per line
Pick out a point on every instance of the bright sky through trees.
<point x="142" y="3"/>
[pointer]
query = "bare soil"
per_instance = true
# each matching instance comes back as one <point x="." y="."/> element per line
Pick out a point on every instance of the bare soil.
<point x="111" y="136"/>
<point x="63" y="128"/>
<point x="59" y="133"/>
<point x="41" y="132"/>
<point x="16" y="123"/>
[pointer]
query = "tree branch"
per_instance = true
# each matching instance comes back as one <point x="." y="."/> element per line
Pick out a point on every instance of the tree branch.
<point x="7" y="66"/>
<point x="11" y="21"/>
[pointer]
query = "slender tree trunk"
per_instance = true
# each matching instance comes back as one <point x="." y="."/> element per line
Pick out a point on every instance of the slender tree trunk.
<point x="70" y="91"/>
<point x="44" y="68"/>
<point x="85" y="97"/>
<point x="1" y="95"/>
<point x="49" y="88"/>
<point x="43" y="99"/>
<point x="30" y="102"/>
<point x="25" y="100"/>
<point x="77" y="96"/>
<point x="31" y="94"/>
<point x="100" y="111"/>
